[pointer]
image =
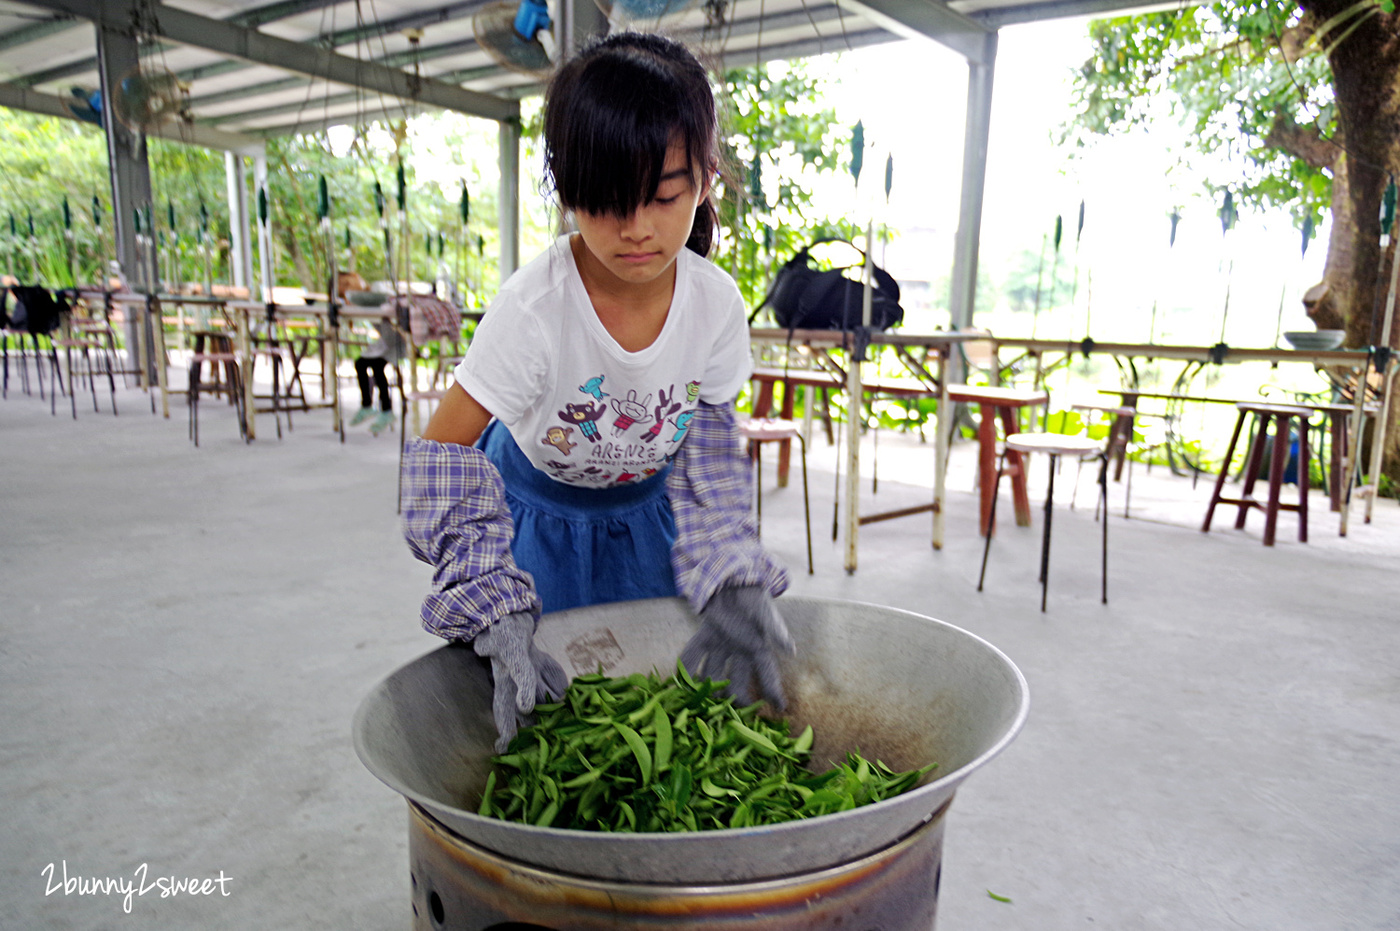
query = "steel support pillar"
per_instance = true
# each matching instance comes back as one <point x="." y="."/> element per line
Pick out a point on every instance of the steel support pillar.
<point x="118" y="54"/>
<point x="582" y="20"/>
<point x="974" y="176"/>
<point x="240" y="258"/>
<point x="510" y="197"/>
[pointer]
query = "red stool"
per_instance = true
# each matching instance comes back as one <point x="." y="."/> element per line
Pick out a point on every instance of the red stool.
<point x="1282" y="416"/>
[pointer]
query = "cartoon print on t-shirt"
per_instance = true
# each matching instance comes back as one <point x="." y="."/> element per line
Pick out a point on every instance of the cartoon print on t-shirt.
<point x="629" y="411"/>
<point x="666" y="407"/>
<point x="682" y="423"/>
<point x="624" y="477"/>
<point x="584" y="415"/>
<point x="594" y="386"/>
<point x="692" y="391"/>
<point x="558" y="437"/>
<point x="558" y="469"/>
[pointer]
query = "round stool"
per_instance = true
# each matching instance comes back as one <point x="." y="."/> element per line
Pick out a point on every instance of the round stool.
<point x="1282" y="415"/>
<point x="1055" y="445"/>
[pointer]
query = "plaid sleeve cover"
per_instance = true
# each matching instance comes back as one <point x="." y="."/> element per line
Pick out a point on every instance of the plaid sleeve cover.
<point x="455" y="518"/>
<point x="710" y="491"/>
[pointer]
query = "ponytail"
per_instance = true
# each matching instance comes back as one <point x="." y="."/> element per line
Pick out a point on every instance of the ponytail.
<point x="702" y="231"/>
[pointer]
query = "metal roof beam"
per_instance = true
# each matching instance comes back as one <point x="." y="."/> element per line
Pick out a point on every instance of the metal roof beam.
<point x="396" y="60"/>
<point x="359" y="34"/>
<point x="700" y="35"/>
<point x="33" y="33"/>
<point x="296" y="57"/>
<point x="744" y="58"/>
<point x="927" y="19"/>
<point x="24" y="98"/>
<point x="995" y="18"/>
<point x="250" y="18"/>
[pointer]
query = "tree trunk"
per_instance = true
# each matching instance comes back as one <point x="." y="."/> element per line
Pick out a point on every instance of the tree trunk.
<point x="1366" y="86"/>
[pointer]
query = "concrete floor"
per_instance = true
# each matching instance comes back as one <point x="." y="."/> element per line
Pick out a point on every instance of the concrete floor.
<point x="186" y="634"/>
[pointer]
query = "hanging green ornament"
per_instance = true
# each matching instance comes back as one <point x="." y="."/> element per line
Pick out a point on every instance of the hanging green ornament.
<point x="323" y="198"/>
<point x="347" y="235"/>
<point x="1059" y="228"/>
<point x="1175" y="218"/>
<point x="203" y="218"/>
<point x="378" y="199"/>
<point x="31" y="226"/>
<point x="96" y="211"/>
<point x="1080" y="231"/>
<point x="136" y="219"/>
<point x="889" y="175"/>
<point x="403" y="189"/>
<point x="14" y="231"/>
<point x="1308" y="226"/>
<point x="466" y="205"/>
<point x="1388" y="208"/>
<point x="1227" y="213"/>
<point x="756" y="179"/>
<point x="441" y="242"/>
<point x="262" y="205"/>
<point x="857" y="150"/>
<point x="480" y="244"/>
<point x="67" y="215"/>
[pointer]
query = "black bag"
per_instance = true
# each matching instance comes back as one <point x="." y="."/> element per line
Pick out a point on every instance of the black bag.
<point x="806" y="298"/>
<point x="36" y="311"/>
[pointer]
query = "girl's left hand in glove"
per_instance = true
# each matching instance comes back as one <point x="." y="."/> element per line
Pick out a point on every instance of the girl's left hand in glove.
<point x="740" y="635"/>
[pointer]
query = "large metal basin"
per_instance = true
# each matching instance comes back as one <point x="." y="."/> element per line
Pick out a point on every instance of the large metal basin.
<point x="900" y="687"/>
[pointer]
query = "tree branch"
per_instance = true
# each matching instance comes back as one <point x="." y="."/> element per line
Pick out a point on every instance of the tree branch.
<point x="1303" y="142"/>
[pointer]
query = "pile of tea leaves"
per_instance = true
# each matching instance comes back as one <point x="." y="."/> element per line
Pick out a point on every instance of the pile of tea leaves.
<point x="644" y="754"/>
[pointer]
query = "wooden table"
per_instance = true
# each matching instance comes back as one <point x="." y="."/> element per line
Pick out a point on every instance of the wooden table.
<point x="1338" y="427"/>
<point x="926" y="382"/>
<point x="1002" y="404"/>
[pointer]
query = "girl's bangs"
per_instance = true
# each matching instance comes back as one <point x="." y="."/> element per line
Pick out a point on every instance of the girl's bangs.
<point x="624" y="117"/>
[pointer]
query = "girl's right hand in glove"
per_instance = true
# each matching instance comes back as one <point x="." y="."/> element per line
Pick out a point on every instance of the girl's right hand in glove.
<point x="523" y="675"/>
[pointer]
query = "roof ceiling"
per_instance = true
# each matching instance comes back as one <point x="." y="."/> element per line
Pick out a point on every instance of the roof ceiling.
<point x="45" y="49"/>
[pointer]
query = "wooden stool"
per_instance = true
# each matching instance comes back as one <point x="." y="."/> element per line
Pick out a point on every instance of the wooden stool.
<point x="86" y="347"/>
<point x="230" y="361"/>
<point x="1282" y="415"/>
<point x="760" y="431"/>
<point x="1056" y="445"/>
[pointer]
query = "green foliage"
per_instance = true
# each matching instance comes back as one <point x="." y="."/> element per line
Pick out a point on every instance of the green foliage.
<point x="44" y="160"/>
<point x="47" y="159"/>
<point x="780" y="138"/>
<point x="1220" y="70"/>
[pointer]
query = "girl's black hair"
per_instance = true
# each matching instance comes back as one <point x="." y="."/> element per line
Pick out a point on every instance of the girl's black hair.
<point x="611" y="113"/>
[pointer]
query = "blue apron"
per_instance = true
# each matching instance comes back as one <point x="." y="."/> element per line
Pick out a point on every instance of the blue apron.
<point x="585" y="546"/>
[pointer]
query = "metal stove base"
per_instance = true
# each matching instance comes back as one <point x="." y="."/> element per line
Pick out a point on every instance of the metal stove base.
<point x="459" y="886"/>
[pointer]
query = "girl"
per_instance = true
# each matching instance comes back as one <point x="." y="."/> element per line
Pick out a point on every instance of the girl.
<point x="587" y="452"/>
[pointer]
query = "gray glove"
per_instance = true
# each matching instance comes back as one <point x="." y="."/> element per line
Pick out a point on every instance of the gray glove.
<point x="740" y="634"/>
<point x="523" y="674"/>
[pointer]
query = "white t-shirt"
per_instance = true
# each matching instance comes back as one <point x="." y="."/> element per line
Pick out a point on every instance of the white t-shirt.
<point x="583" y="409"/>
